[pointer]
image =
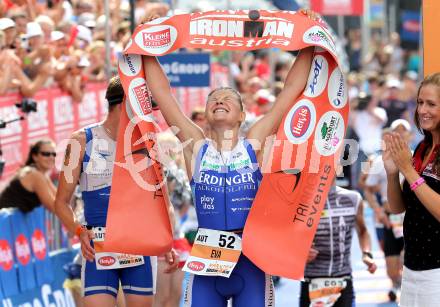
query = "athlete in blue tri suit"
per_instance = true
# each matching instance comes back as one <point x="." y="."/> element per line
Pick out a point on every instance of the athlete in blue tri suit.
<point x="225" y="174"/>
<point x="89" y="160"/>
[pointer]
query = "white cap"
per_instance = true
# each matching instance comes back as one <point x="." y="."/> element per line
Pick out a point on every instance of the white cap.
<point x="83" y="62"/>
<point x="6" y="23"/>
<point x="394" y="83"/>
<point x="87" y="19"/>
<point x="399" y="122"/>
<point x="33" y="29"/>
<point x="56" y="35"/>
<point x="84" y="33"/>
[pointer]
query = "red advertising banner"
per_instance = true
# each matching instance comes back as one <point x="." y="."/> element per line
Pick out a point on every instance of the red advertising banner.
<point x="338" y="7"/>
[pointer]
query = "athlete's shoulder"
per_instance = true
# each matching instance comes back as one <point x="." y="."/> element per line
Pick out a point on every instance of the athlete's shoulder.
<point x="349" y="193"/>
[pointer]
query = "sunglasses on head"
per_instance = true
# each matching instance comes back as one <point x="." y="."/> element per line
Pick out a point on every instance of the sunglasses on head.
<point x="48" y="154"/>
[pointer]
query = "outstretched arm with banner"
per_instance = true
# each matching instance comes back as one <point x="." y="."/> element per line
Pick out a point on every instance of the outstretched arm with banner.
<point x="298" y="171"/>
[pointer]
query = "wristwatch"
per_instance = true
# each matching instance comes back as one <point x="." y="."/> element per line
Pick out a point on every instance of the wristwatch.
<point x="368" y="254"/>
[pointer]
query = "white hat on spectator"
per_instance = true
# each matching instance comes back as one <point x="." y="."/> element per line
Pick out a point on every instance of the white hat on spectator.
<point x="394" y="83"/>
<point x="84" y="33"/>
<point x="83" y="62"/>
<point x="264" y="96"/>
<point x="33" y="29"/>
<point x="56" y="35"/>
<point x="87" y="20"/>
<point x="400" y="122"/>
<point x="6" y="23"/>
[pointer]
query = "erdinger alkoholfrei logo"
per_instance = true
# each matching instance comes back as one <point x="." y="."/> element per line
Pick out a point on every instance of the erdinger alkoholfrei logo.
<point x="318" y="76"/>
<point x="337" y="89"/>
<point x="300" y="122"/>
<point x="156" y="39"/>
<point x="39" y="246"/>
<point x="329" y="133"/>
<point x="22" y="249"/>
<point x="6" y="257"/>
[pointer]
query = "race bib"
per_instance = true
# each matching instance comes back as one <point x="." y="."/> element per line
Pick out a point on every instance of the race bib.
<point x="214" y="253"/>
<point x="109" y="261"/>
<point x="324" y="292"/>
<point x="396" y="221"/>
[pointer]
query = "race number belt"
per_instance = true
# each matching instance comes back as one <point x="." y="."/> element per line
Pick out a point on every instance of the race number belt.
<point x="324" y="292"/>
<point x="396" y="221"/>
<point x="214" y="253"/>
<point x="108" y="261"/>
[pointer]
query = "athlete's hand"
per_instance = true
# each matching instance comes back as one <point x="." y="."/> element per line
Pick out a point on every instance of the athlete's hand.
<point x="172" y="260"/>
<point x="311" y="14"/>
<point x="369" y="262"/>
<point x="87" y="250"/>
<point x="313" y="253"/>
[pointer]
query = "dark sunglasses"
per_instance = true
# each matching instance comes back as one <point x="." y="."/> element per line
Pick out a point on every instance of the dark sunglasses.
<point x="48" y="154"/>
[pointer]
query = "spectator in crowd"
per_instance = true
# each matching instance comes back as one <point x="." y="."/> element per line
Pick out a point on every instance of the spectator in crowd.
<point x="418" y="198"/>
<point x="7" y="25"/>
<point x="392" y="103"/>
<point x="376" y="182"/>
<point x="31" y="185"/>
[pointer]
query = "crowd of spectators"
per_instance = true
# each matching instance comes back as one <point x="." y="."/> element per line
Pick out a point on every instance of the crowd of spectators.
<point x="60" y="42"/>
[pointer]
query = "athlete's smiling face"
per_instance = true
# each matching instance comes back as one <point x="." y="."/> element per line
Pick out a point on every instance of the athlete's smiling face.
<point x="224" y="106"/>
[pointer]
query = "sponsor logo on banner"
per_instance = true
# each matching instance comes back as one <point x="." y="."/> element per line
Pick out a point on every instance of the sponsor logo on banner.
<point x="300" y="122"/>
<point x="329" y="133"/>
<point x="39" y="246"/>
<point x="318" y="77"/>
<point x="106" y="261"/>
<point x="316" y="35"/>
<point x="6" y="257"/>
<point x="337" y="93"/>
<point x="156" y="40"/>
<point x="140" y="100"/>
<point x="130" y="64"/>
<point x="230" y="32"/>
<point x="196" y="266"/>
<point x="22" y="249"/>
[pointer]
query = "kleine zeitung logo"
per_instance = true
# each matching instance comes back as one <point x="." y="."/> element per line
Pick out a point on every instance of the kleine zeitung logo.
<point x="156" y="40"/>
<point x="300" y="122"/>
<point x="316" y="35"/>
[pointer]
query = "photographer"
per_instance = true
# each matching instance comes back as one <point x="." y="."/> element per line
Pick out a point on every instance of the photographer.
<point x="31" y="186"/>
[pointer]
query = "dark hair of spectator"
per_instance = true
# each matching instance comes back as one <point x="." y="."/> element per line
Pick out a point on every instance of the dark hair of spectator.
<point x="433" y="79"/>
<point x="115" y="92"/>
<point x="35" y="149"/>
<point x="227" y="88"/>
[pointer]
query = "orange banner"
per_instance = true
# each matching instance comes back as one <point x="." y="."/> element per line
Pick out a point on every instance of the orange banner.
<point x="431" y="44"/>
<point x="286" y="211"/>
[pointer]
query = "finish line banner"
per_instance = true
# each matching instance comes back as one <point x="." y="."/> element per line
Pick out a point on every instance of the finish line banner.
<point x="284" y="216"/>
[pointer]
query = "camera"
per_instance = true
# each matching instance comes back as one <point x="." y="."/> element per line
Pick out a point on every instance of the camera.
<point x="27" y="105"/>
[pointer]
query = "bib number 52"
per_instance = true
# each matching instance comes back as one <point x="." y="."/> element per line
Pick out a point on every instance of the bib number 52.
<point x="226" y="241"/>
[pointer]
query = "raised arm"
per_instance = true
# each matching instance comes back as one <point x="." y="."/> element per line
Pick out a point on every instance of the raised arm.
<point x="68" y="180"/>
<point x="169" y="107"/>
<point x="295" y="82"/>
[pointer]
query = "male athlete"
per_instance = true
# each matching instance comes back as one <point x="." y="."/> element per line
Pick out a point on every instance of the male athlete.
<point x="89" y="160"/>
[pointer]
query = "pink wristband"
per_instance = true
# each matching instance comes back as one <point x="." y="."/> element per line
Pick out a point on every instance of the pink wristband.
<point x="417" y="183"/>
